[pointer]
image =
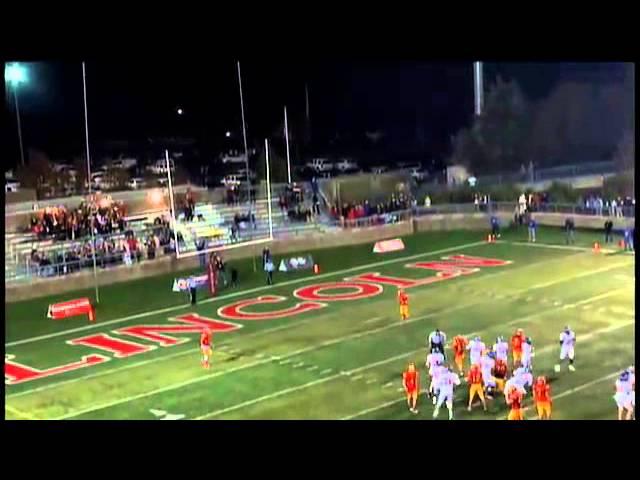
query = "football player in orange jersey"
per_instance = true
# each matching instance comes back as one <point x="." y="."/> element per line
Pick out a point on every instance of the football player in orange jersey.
<point x="542" y="397"/>
<point x="475" y="386"/>
<point x="411" y="387"/>
<point x="205" y="347"/>
<point x="500" y="371"/>
<point x="459" y="345"/>
<point x="514" y="400"/>
<point x="403" y="300"/>
<point x="517" y="340"/>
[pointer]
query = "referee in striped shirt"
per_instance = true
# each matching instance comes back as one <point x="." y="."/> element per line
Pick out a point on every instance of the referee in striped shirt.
<point x="437" y="340"/>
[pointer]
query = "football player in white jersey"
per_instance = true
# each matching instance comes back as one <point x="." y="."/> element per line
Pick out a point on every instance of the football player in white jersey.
<point x="632" y="380"/>
<point x="435" y="372"/>
<point x="521" y="379"/>
<point x="624" y="395"/>
<point x="567" y="345"/>
<point x="527" y="353"/>
<point x="475" y="347"/>
<point x="434" y="363"/>
<point x="446" y="382"/>
<point x="487" y="362"/>
<point x="501" y="347"/>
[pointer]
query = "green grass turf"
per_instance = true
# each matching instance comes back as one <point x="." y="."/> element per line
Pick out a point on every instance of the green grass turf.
<point x="345" y="360"/>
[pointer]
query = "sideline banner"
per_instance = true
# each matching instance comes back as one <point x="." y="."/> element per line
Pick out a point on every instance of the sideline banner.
<point x="72" y="308"/>
<point x="296" y="263"/>
<point x="181" y="284"/>
<point x="388" y="246"/>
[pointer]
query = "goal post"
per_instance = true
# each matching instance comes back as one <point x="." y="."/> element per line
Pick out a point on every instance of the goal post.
<point x="215" y="227"/>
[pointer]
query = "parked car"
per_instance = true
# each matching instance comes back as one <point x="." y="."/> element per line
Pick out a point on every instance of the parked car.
<point x="11" y="185"/>
<point x="136" y="182"/>
<point x="160" y="166"/>
<point x="230" y="180"/>
<point x="233" y="156"/>
<point x="378" y="170"/>
<point x="320" y="165"/>
<point x="347" y="165"/>
<point x="124" y="163"/>
<point x="418" y="174"/>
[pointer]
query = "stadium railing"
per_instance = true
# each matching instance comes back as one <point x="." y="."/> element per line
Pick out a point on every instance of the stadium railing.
<point x="626" y="211"/>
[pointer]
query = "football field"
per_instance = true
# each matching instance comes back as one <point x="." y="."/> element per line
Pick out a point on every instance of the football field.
<point x="327" y="346"/>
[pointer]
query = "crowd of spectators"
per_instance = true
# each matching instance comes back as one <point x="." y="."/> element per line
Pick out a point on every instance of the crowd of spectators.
<point x="356" y="210"/>
<point x="60" y="223"/>
<point x="614" y="207"/>
<point x="116" y="249"/>
<point x="293" y="205"/>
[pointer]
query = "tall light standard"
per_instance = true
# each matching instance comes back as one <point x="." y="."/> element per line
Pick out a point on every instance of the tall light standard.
<point x="244" y="135"/>
<point x="86" y="137"/>
<point x="14" y="75"/>
<point x="478" y="87"/>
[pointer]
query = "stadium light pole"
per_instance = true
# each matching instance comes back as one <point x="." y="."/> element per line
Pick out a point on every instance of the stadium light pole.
<point x="244" y="136"/>
<point x="286" y="136"/>
<point x="14" y="75"/>
<point x="478" y="87"/>
<point x="268" y="175"/>
<point x="86" y="136"/>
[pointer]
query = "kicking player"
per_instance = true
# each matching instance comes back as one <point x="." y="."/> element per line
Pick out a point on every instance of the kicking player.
<point x="410" y="384"/>
<point x="516" y="346"/>
<point x="403" y="300"/>
<point x="475" y="347"/>
<point x="446" y="382"/>
<point x="527" y="353"/>
<point x="624" y="395"/>
<point x="501" y="347"/>
<point x="206" y="347"/>
<point x="459" y="345"/>
<point x="514" y="400"/>
<point x="475" y="386"/>
<point x="567" y="345"/>
<point x="500" y="370"/>
<point x="542" y="398"/>
<point x="487" y="362"/>
<point x="437" y="340"/>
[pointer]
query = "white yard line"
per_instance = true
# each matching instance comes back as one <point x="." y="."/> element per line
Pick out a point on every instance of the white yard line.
<point x="321" y="345"/>
<point x="542" y="350"/>
<point x="260" y="362"/>
<point x="19" y="413"/>
<point x="244" y="292"/>
<point x="303" y="386"/>
<point x="556" y="247"/>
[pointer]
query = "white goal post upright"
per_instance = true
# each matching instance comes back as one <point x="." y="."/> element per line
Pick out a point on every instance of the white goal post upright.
<point x="266" y="159"/>
<point x="174" y="221"/>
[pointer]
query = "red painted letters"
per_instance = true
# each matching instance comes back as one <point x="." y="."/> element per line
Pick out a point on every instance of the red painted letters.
<point x="15" y="373"/>
<point x="235" y="310"/>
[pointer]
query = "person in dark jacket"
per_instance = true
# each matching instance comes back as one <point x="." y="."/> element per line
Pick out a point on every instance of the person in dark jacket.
<point x="608" y="229"/>
<point x="569" y="230"/>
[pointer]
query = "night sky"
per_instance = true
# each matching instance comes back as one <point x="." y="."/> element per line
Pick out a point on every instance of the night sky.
<point x="419" y="105"/>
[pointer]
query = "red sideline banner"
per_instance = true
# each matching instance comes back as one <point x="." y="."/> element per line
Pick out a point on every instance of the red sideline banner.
<point x="72" y="308"/>
<point x="388" y="246"/>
